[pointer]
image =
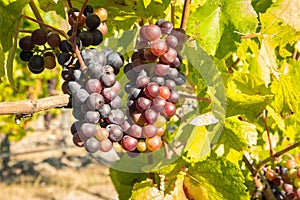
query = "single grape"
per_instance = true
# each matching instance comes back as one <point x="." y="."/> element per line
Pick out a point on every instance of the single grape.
<point x="160" y="122"/>
<point x="169" y="57"/>
<point x="158" y="104"/>
<point x="115" y="133"/>
<point x="95" y="101"/>
<point x="171" y="41"/>
<point x="81" y="95"/>
<point x="77" y="113"/>
<point x="64" y="59"/>
<point x="102" y="13"/>
<point x="116" y="117"/>
<point x="160" y="131"/>
<point x="158" y="79"/>
<point x="150" y="116"/>
<point x="39" y="37"/>
<point x="170" y="84"/>
<point x="84" y="107"/>
<point x="97" y="37"/>
<point x="152" y="32"/>
<point x="152" y="90"/>
<point x="92" y="21"/>
<point x="143" y="103"/>
<point x="92" y="145"/>
<point x="174" y="97"/>
<point x="67" y="73"/>
<point x="270" y="175"/>
<point x="108" y="80"/>
<point x="26" y="55"/>
<point x="159" y="47"/>
<point x="180" y="80"/>
<point x="117" y="87"/>
<point x="95" y="70"/>
<point x="287" y="187"/>
<point x="86" y="38"/>
<point x="74" y="17"/>
<point x="142" y="81"/>
<point x="162" y="69"/>
<point x="88" y="9"/>
<point x="149" y="130"/>
<point x="297" y="183"/>
<point x="170" y="109"/>
<point x="154" y="143"/>
<point x="93" y="86"/>
<point x="138" y="118"/>
<point x="173" y="73"/>
<point x="66" y="46"/>
<point x="101" y="134"/>
<point x="36" y="64"/>
<point x="166" y="27"/>
<point x="135" y="131"/>
<point x="103" y="28"/>
<point x="26" y="43"/>
<point x="125" y="126"/>
<point x="77" y="141"/>
<point x="73" y="87"/>
<point x="290" y="164"/>
<point x="105" y="111"/>
<point x="106" y="145"/>
<point x="49" y="62"/>
<point x="141" y="146"/>
<point x="116" y="103"/>
<point x="53" y="40"/>
<point x="109" y="94"/>
<point x="88" y="130"/>
<point x="129" y="143"/>
<point x="65" y="88"/>
<point x="92" y="117"/>
<point x="164" y="92"/>
<point x="115" y="60"/>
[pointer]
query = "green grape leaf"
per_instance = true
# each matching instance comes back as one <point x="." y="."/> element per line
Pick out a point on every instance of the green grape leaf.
<point x="267" y="60"/>
<point x="166" y="3"/>
<point x="238" y="134"/>
<point x="287" y="11"/>
<point x="215" y="178"/>
<point x="241" y="100"/>
<point x="146" y="3"/>
<point x="9" y="24"/>
<point x="55" y="5"/>
<point x="286" y="97"/>
<point x="146" y="190"/>
<point x="10" y="63"/>
<point x="276" y="33"/>
<point x="198" y="145"/>
<point x="124" y="182"/>
<point x="2" y="58"/>
<point x="260" y="6"/>
<point x="216" y="25"/>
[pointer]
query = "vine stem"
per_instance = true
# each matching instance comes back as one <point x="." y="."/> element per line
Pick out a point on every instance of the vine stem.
<point x="36" y="13"/>
<point x="195" y="97"/>
<point x="268" y="132"/>
<point x="185" y="14"/>
<point x="46" y="25"/>
<point x="27" y="107"/>
<point x="173" y="12"/>
<point x="276" y="155"/>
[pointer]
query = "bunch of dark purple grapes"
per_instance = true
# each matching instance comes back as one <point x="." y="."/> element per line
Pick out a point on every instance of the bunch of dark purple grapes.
<point x="154" y="74"/>
<point x="284" y="179"/>
<point x="96" y="104"/>
<point x="42" y="48"/>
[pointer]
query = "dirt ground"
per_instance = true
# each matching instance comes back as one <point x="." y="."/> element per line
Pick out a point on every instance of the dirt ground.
<point x="45" y="165"/>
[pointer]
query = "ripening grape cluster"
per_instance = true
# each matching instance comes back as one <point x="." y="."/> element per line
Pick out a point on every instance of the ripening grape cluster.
<point x="154" y="74"/>
<point x="96" y="104"/>
<point x="284" y="178"/>
<point x="44" y="46"/>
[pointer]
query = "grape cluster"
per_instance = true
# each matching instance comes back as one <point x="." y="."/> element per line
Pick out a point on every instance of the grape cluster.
<point x="284" y="178"/>
<point x="154" y="74"/>
<point x="43" y="47"/>
<point x="96" y="104"/>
